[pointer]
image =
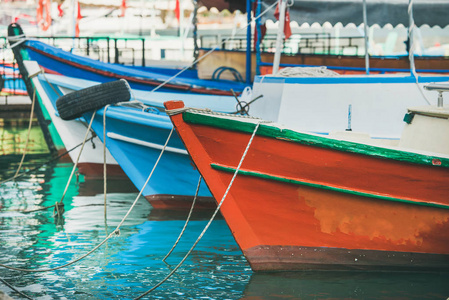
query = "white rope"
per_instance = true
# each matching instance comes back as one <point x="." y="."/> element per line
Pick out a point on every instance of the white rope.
<point x="114" y="232"/>
<point x="149" y="176"/>
<point x="187" y="221"/>
<point x="28" y="134"/>
<point x="18" y="39"/>
<point x="306" y="72"/>
<point x="104" y="162"/>
<point x="411" y="48"/>
<point x="411" y="41"/>
<point x="212" y="50"/>
<point x="78" y="158"/>
<point x="211" y="219"/>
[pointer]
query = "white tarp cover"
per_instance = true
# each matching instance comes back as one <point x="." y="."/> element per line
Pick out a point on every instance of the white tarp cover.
<point x="381" y="12"/>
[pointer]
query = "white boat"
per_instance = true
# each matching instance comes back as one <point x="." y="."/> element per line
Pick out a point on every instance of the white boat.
<point x="362" y="103"/>
<point x="72" y="133"/>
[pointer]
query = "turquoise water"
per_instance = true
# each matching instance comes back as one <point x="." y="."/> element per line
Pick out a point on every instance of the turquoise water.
<point x="131" y="263"/>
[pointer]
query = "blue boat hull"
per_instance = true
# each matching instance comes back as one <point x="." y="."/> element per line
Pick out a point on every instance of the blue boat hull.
<point x="136" y="138"/>
<point x="55" y="60"/>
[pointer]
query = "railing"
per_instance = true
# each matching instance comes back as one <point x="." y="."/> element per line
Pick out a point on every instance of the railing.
<point x="127" y="51"/>
<point x="313" y="43"/>
<point x="9" y="71"/>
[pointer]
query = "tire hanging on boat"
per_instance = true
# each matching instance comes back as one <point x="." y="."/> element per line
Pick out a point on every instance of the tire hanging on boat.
<point x="74" y="105"/>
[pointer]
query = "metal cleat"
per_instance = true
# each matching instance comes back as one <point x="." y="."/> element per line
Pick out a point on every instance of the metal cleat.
<point x="440" y="88"/>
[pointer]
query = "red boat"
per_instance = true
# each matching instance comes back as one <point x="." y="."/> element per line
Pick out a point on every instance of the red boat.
<point x="303" y="201"/>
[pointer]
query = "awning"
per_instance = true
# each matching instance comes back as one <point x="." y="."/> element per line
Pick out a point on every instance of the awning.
<point x="381" y="12"/>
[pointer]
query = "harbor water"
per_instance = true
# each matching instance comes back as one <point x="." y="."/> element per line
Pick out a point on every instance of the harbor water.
<point x="131" y="263"/>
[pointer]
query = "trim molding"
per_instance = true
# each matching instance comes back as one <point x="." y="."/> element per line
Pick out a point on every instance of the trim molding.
<point x="228" y="169"/>
<point x="234" y="123"/>
<point x="123" y="138"/>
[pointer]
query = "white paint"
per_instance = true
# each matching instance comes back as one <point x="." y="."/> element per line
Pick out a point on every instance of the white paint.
<point x="71" y="132"/>
<point x="428" y="131"/>
<point x="120" y="137"/>
<point x="377" y="108"/>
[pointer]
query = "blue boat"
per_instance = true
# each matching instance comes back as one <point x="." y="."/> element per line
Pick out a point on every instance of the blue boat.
<point x="57" y="61"/>
<point x="135" y="136"/>
<point x="10" y="81"/>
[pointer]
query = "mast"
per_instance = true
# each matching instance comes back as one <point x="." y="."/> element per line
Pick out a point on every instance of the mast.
<point x="365" y="25"/>
<point x="280" y="36"/>
<point x="248" y="42"/>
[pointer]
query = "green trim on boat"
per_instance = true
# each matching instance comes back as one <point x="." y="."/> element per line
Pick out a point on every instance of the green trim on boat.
<point x="313" y="140"/>
<point x="57" y="140"/>
<point x="324" y="187"/>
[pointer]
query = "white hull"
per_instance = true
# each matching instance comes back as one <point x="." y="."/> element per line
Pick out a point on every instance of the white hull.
<point x="321" y="104"/>
<point x="71" y="132"/>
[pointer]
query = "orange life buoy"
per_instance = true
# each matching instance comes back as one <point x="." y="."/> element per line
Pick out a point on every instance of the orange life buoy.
<point x="44" y="6"/>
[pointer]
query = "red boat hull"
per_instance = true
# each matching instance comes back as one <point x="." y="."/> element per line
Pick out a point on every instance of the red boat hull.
<point x="299" y="206"/>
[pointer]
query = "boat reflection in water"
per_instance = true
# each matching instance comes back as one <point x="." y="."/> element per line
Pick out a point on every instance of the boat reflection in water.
<point x="131" y="263"/>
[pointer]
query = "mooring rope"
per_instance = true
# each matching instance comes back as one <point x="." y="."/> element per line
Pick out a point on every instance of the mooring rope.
<point x="212" y="50"/>
<point x="18" y="39"/>
<point x="116" y="231"/>
<point x="45" y="163"/>
<point x="50" y="84"/>
<point x="28" y="134"/>
<point x="57" y="204"/>
<point x="187" y="221"/>
<point x="211" y="219"/>
<point x="104" y="162"/>
<point x="14" y="289"/>
<point x="78" y="158"/>
<point x="411" y="47"/>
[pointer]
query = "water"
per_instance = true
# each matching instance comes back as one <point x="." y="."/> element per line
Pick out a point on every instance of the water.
<point x="131" y="263"/>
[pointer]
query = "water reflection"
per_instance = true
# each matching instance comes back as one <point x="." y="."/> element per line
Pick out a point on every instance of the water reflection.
<point x="13" y="137"/>
<point x="131" y="263"/>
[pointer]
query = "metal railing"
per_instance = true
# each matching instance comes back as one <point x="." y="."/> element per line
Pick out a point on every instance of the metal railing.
<point x="311" y="43"/>
<point x="126" y="51"/>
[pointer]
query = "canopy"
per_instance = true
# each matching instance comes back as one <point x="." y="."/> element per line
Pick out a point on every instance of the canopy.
<point x="381" y="12"/>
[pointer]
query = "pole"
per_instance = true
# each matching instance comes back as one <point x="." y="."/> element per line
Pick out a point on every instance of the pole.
<point x="411" y="28"/>
<point x="365" y="25"/>
<point x="280" y="37"/>
<point x="259" y="38"/>
<point x="248" y="42"/>
<point x="195" y="31"/>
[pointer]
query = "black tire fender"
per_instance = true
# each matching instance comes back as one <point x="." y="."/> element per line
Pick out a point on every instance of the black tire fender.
<point x="75" y="104"/>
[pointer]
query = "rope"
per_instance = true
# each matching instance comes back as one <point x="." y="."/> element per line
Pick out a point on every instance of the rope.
<point x="211" y="219"/>
<point x="59" y="204"/>
<point x="78" y="158"/>
<point x="28" y="133"/>
<point x="176" y="111"/>
<point x="410" y="38"/>
<point x="212" y="50"/>
<point x="306" y="72"/>
<point x="50" y="84"/>
<point x="45" y="163"/>
<point x="18" y="38"/>
<point x="104" y="161"/>
<point x="114" y="232"/>
<point x="411" y="54"/>
<point x="14" y="289"/>
<point x="187" y="221"/>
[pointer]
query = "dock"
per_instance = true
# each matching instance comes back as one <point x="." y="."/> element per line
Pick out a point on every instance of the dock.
<point x="15" y="109"/>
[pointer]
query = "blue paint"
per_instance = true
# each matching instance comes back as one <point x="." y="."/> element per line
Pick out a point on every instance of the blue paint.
<point x="174" y="174"/>
<point x="148" y="73"/>
<point x="346" y="79"/>
<point x="248" y="42"/>
<point x="382" y="70"/>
